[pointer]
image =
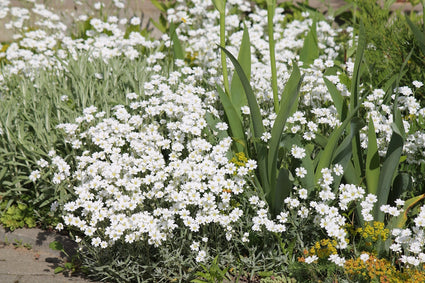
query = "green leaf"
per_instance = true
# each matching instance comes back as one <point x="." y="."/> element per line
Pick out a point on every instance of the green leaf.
<point x="402" y="183"/>
<point x="328" y="152"/>
<point x="56" y="246"/>
<point x="161" y="25"/>
<point x="419" y="36"/>
<point x="177" y="48"/>
<point x="389" y="167"/>
<point x="257" y="122"/>
<point x="389" y="86"/>
<point x="350" y="176"/>
<point x="310" y="50"/>
<point x="234" y="120"/>
<point x="321" y="140"/>
<point x="252" y="100"/>
<point x="3" y="172"/>
<point x="159" y="5"/>
<point x="68" y="265"/>
<point x="220" y="5"/>
<point x="344" y="151"/>
<point x="397" y="126"/>
<point x="345" y="80"/>
<point x="281" y="191"/>
<point x="337" y="98"/>
<point x="372" y="161"/>
<point x="400" y="221"/>
<point x="58" y="269"/>
<point x="308" y="164"/>
<point x="289" y="97"/>
<point x="354" y="98"/>
<point x="238" y="96"/>
<point x="265" y="273"/>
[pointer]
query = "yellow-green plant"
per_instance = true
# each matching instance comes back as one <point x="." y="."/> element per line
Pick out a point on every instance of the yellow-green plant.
<point x="15" y="216"/>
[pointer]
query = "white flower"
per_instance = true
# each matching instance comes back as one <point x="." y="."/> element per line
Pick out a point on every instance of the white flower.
<point x="298" y="152"/>
<point x="135" y="21"/>
<point x="364" y="257"/>
<point x="417" y="84"/>
<point x="54" y="206"/>
<point x="311" y="259"/>
<point x="396" y="247"/>
<point x="399" y="202"/>
<point x="292" y="202"/>
<point x="35" y="175"/>
<point x="201" y="256"/>
<point x="59" y="227"/>
<point x="303" y="193"/>
<point x="221" y="126"/>
<point x="131" y="95"/>
<point x="266" y="136"/>
<point x="338" y="170"/>
<point x="245" y="237"/>
<point x="245" y="110"/>
<point x="300" y="172"/>
<point x="98" y="5"/>
<point x="337" y="259"/>
<point x="309" y="136"/>
<point x="194" y="246"/>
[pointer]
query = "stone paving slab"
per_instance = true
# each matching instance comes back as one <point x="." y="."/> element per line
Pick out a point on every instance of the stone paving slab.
<point x="38" y="239"/>
<point x="20" y="265"/>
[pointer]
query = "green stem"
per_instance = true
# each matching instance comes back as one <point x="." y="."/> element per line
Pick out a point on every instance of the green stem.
<point x="223" y="55"/>
<point x="271" y="4"/>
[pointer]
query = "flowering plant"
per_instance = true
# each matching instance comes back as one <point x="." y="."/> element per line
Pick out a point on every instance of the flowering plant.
<point x="196" y="159"/>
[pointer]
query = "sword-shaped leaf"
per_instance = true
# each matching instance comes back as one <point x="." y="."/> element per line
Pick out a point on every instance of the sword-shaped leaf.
<point x="256" y="120"/>
<point x="234" y="120"/>
<point x="289" y="97"/>
<point x="238" y="96"/>
<point x="372" y="161"/>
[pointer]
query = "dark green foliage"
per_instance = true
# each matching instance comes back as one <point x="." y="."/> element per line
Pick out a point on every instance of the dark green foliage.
<point x="389" y="40"/>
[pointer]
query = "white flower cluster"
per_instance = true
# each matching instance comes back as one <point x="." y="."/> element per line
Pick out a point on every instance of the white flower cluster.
<point x="382" y="115"/>
<point x="150" y="170"/>
<point x="202" y="36"/>
<point x="41" y="37"/>
<point x="409" y="243"/>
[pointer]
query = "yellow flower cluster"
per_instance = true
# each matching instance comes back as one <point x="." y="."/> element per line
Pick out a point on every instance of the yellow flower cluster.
<point x="373" y="232"/>
<point x="3" y="49"/>
<point x="240" y="159"/>
<point x="191" y="56"/>
<point x="380" y="270"/>
<point x="323" y="248"/>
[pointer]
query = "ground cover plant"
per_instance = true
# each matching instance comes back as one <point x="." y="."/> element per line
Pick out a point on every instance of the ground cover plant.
<point x="248" y="141"/>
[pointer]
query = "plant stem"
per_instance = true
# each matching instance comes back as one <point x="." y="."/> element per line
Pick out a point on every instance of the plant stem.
<point x="271" y="4"/>
<point x="223" y="55"/>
